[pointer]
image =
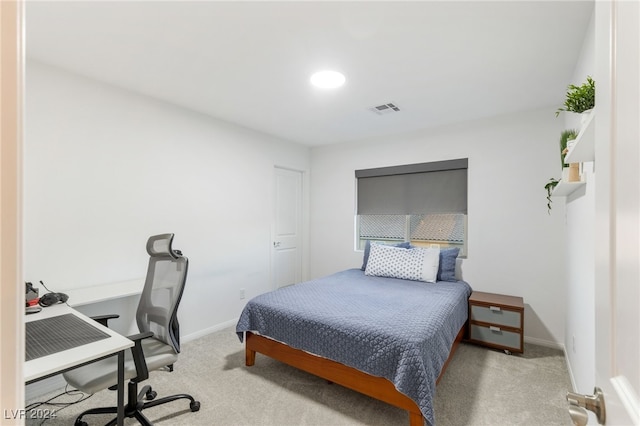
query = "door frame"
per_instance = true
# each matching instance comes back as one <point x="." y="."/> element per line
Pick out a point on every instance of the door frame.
<point x="11" y="140"/>
<point x="613" y="132"/>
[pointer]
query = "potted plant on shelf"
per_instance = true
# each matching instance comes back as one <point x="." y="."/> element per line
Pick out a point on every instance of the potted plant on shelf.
<point x="581" y="98"/>
<point x="570" y="173"/>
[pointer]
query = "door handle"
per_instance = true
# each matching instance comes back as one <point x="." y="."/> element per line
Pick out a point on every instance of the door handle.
<point x="579" y="416"/>
<point x="578" y="403"/>
<point x="276" y="244"/>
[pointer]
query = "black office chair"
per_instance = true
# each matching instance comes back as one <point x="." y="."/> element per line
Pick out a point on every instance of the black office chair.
<point x="156" y="346"/>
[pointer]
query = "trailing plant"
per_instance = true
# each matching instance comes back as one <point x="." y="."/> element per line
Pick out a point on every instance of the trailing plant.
<point x="553" y="182"/>
<point x="580" y="98"/>
<point x="565" y="137"/>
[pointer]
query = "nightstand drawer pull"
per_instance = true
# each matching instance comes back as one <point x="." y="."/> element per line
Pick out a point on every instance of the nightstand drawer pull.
<point x="494" y="328"/>
<point x="496" y="315"/>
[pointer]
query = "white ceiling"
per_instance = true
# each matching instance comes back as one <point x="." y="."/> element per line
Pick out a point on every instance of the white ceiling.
<point x="249" y="62"/>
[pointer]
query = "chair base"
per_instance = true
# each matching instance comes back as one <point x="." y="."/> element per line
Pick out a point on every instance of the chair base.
<point x="138" y="401"/>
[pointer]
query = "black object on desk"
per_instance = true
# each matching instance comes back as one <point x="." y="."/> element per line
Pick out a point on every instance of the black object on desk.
<point x="56" y="334"/>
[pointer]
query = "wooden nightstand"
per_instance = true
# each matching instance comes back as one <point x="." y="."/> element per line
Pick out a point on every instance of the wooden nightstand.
<point x="496" y="321"/>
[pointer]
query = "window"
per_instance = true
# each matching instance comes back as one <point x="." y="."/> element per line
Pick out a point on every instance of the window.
<point x="422" y="203"/>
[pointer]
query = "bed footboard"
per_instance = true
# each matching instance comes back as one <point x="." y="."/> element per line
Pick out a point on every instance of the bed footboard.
<point x="373" y="386"/>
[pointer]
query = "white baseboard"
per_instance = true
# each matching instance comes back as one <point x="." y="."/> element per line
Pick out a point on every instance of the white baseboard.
<point x="209" y="330"/>
<point x="544" y="342"/>
<point x="574" y="387"/>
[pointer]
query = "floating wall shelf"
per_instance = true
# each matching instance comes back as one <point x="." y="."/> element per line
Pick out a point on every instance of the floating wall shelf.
<point x="563" y="189"/>
<point x="584" y="145"/>
<point x="583" y="150"/>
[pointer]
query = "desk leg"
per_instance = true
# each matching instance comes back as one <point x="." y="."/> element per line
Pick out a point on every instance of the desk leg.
<point x="120" y="388"/>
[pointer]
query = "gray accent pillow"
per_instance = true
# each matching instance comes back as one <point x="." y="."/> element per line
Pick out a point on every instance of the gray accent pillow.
<point x="447" y="266"/>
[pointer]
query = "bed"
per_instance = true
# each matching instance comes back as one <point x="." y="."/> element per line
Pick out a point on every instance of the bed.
<point x="385" y="337"/>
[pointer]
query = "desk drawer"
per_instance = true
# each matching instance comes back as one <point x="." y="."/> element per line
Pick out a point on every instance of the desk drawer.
<point x="495" y="336"/>
<point x="496" y="315"/>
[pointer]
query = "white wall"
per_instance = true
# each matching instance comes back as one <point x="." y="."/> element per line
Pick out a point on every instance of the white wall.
<point x="580" y="207"/>
<point x="514" y="246"/>
<point x="105" y="168"/>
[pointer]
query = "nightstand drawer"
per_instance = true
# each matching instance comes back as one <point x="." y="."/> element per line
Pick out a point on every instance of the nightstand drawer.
<point x="495" y="336"/>
<point x="496" y="315"/>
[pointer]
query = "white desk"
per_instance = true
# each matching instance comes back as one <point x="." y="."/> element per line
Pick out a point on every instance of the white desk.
<point x="50" y="365"/>
<point x="100" y="293"/>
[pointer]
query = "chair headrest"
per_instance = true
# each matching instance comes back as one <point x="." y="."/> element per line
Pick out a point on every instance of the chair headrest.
<point x="160" y="245"/>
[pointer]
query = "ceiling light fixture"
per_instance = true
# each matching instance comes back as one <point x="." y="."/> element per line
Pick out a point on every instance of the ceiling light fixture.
<point x="327" y="79"/>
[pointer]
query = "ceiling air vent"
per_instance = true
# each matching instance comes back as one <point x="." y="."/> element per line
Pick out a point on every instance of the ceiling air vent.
<point x="385" y="109"/>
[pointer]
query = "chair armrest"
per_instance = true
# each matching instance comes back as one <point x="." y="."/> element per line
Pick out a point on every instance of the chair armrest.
<point x="102" y="319"/>
<point x="142" y="373"/>
<point x="140" y="336"/>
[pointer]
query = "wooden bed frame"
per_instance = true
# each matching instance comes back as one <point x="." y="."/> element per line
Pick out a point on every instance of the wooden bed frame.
<point x="373" y="386"/>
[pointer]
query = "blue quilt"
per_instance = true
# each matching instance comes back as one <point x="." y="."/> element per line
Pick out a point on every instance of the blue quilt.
<point x="398" y="329"/>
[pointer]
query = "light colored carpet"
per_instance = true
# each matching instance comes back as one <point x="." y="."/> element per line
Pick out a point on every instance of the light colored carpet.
<point x="480" y="387"/>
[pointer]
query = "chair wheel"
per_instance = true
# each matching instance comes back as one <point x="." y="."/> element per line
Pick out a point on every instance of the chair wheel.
<point x="195" y="406"/>
<point x="150" y="395"/>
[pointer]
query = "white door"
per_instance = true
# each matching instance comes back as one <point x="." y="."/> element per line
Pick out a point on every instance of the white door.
<point x="287" y="227"/>
<point x="618" y="212"/>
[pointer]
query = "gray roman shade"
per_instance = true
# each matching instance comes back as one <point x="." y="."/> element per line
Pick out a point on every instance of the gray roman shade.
<point x="425" y="188"/>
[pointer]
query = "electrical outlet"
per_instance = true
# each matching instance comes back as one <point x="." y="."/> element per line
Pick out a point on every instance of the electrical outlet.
<point x="242" y="293"/>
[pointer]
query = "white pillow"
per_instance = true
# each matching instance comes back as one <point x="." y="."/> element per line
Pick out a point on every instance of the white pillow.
<point x="417" y="263"/>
